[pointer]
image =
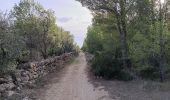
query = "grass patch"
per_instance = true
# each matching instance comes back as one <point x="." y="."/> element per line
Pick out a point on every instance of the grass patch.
<point x="152" y="85"/>
<point x="73" y="61"/>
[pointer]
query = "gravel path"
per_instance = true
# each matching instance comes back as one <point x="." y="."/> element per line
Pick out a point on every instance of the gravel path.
<point x="74" y="85"/>
<point x="75" y="82"/>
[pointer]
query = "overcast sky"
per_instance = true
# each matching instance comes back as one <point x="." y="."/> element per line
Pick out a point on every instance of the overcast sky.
<point x="69" y="13"/>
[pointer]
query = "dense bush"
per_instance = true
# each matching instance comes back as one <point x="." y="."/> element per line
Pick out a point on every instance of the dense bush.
<point x="150" y="73"/>
<point x="138" y="29"/>
<point x="108" y="66"/>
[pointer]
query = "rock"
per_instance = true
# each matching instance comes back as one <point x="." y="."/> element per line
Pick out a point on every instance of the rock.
<point x="23" y="74"/>
<point x="31" y="76"/>
<point x="11" y="86"/>
<point x="18" y="73"/>
<point x="3" y="80"/>
<point x="0" y="94"/>
<point x="45" y="73"/>
<point x="7" y="86"/>
<point x="35" y="76"/>
<point x="19" y="79"/>
<point x="9" y="78"/>
<point x="14" y="96"/>
<point x="25" y="79"/>
<point x="10" y="93"/>
<point x="33" y="67"/>
<point x="27" y="74"/>
<point x="31" y="85"/>
<point x="18" y="89"/>
<point x="3" y="87"/>
<point x="26" y="98"/>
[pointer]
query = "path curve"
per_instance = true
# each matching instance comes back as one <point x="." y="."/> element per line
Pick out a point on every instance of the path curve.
<point x="74" y="84"/>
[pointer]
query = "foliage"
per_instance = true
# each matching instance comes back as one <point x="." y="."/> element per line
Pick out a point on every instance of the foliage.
<point x="134" y="31"/>
<point x="28" y="33"/>
<point x="109" y="67"/>
<point x="10" y="44"/>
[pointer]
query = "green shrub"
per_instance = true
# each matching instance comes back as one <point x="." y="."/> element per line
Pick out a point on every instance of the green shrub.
<point x="106" y="65"/>
<point x="149" y="73"/>
<point x="151" y="67"/>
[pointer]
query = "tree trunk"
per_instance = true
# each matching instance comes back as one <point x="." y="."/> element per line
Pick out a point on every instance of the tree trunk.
<point x="161" y="63"/>
<point x="45" y="33"/>
<point x="123" y="33"/>
<point x="124" y="49"/>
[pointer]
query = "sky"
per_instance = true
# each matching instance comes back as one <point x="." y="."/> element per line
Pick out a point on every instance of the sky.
<point x="70" y="15"/>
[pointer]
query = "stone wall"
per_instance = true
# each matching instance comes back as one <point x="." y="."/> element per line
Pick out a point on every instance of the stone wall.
<point x="27" y="74"/>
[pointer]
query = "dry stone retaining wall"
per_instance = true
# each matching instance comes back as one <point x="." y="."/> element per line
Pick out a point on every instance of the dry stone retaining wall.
<point x="27" y="74"/>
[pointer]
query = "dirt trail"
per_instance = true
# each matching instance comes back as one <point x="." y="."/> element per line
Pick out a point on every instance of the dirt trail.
<point x="74" y="85"/>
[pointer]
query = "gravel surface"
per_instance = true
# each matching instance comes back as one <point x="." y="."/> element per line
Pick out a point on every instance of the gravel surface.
<point x="73" y="84"/>
<point x="135" y="90"/>
<point x="76" y="82"/>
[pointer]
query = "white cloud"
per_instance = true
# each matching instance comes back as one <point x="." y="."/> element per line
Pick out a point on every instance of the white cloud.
<point x="77" y="27"/>
<point x="63" y="19"/>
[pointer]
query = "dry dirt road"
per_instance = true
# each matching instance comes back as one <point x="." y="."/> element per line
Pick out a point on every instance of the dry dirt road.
<point x="74" y="84"/>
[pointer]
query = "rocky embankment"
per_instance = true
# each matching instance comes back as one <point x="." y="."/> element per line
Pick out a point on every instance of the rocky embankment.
<point x="27" y="74"/>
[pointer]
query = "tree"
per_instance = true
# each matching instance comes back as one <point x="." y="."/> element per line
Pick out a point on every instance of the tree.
<point x="29" y="33"/>
<point x="120" y="9"/>
<point x="10" y="44"/>
<point x="47" y="20"/>
<point x="26" y="14"/>
<point x="162" y="18"/>
<point x="41" y="34"/>
<point x="143" y="33"/>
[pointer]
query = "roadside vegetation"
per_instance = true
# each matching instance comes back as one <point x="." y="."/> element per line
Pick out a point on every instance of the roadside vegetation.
<point x="29" y="33"/>
<point x="129" y="38"/>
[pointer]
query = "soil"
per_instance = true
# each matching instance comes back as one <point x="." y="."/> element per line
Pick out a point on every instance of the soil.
<point x="72" y="83"/>
<point x="75" y="82"/>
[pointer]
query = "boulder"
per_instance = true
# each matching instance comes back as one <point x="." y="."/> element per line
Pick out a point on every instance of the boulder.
<point x="10" y="93"/>
<point x="6" y="86"/>
<point x="3" y="80"/>
<point x="25" y="79"/>
<point x="11" y="86"/>
<point x="3" y="87"/>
